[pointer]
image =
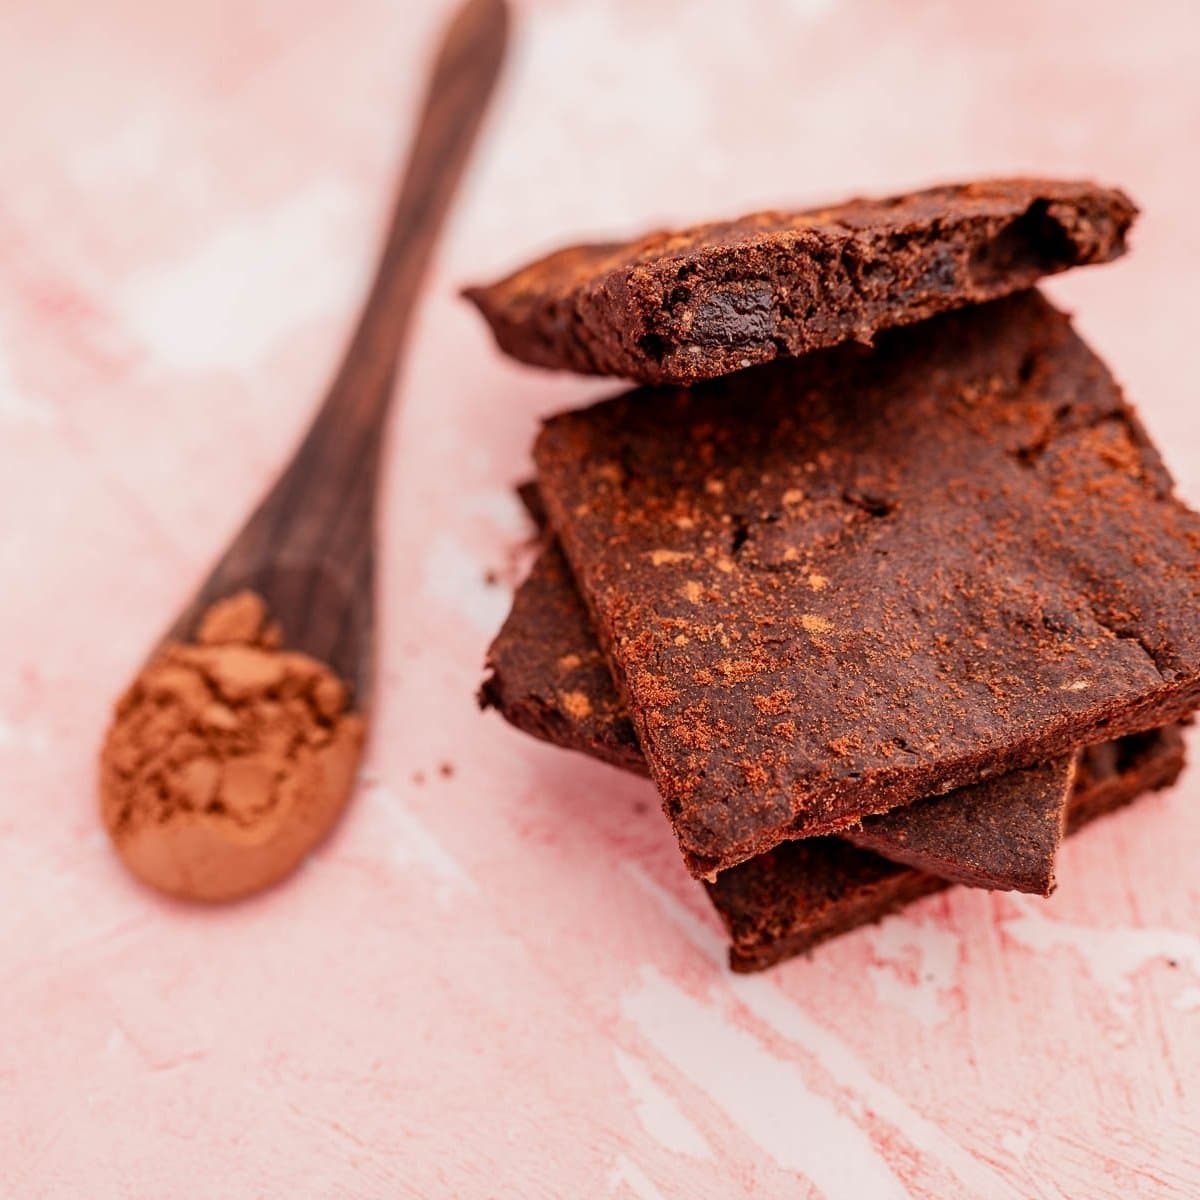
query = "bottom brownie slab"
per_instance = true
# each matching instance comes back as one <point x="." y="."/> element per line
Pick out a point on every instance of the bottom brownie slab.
<point x="788" y="900"/>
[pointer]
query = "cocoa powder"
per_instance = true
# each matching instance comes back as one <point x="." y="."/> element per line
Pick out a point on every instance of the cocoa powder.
<point x="227" y="759"/>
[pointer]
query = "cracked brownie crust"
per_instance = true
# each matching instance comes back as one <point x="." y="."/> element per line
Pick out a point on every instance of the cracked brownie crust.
<point x="833" y="586"/>
<point x="676" y="307"/>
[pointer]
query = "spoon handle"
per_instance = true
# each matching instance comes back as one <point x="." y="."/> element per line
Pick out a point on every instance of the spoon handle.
<point x="340" y="452"/>
<point x="308" y="548"/>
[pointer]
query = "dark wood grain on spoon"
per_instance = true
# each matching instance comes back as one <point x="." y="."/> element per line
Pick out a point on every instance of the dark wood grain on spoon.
<point x="309" y="547"/>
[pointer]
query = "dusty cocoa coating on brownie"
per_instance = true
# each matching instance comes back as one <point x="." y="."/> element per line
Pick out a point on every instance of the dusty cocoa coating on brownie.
<point x="549" y="678"/>
<point x="702" y="302"/>
<point x="790" y="899"/>
<point x="1002" y="834"/>
<point x="835" y="585"/>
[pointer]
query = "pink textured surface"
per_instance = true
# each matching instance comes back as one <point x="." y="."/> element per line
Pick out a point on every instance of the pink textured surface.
<point x="498" y="980"/>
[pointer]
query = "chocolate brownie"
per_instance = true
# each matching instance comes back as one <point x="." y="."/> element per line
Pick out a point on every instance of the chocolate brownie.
<point x="702" y="302"/>
<point x="788" y="900"/>
<point x="548" y="677"/>
<point x="1003" y="833"/>
<point x="834" y="585"/>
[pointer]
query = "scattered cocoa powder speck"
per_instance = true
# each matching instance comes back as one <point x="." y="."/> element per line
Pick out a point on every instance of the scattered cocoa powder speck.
<point x="228" y="759"/>
<point x="576" y="704"/>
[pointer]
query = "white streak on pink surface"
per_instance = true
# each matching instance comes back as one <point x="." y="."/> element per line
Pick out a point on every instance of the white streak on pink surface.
<point x="787" y="1019"/>
<point x="660" y="1115"/>
<point x="765" y="1096"/>
<point x="627" y="1178"/>
<point x="1112" y="957"/>
<point x="917" y="966"/>
<point x="412" y="847"/>
<point x="208" y="310"/>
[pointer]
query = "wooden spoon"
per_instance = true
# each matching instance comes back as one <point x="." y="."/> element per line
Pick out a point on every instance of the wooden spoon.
<point x="237" y="817"/>
<point x="309" y="548"/>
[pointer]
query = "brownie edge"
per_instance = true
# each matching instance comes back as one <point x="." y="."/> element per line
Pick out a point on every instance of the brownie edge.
<point x="791" y="899"/>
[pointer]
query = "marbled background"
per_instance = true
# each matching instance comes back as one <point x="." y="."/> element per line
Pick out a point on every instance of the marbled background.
<point x="496" y="978"/>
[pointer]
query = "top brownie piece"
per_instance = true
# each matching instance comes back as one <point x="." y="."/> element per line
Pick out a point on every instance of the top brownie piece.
<point x="834" y="585"/>
<point x="706" y="301"/>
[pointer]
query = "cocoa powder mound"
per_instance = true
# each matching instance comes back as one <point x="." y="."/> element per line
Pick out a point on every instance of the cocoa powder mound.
<point x="227" y="759"/>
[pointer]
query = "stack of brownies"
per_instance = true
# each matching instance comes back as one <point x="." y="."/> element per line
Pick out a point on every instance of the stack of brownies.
<point x="879" y="578"/>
